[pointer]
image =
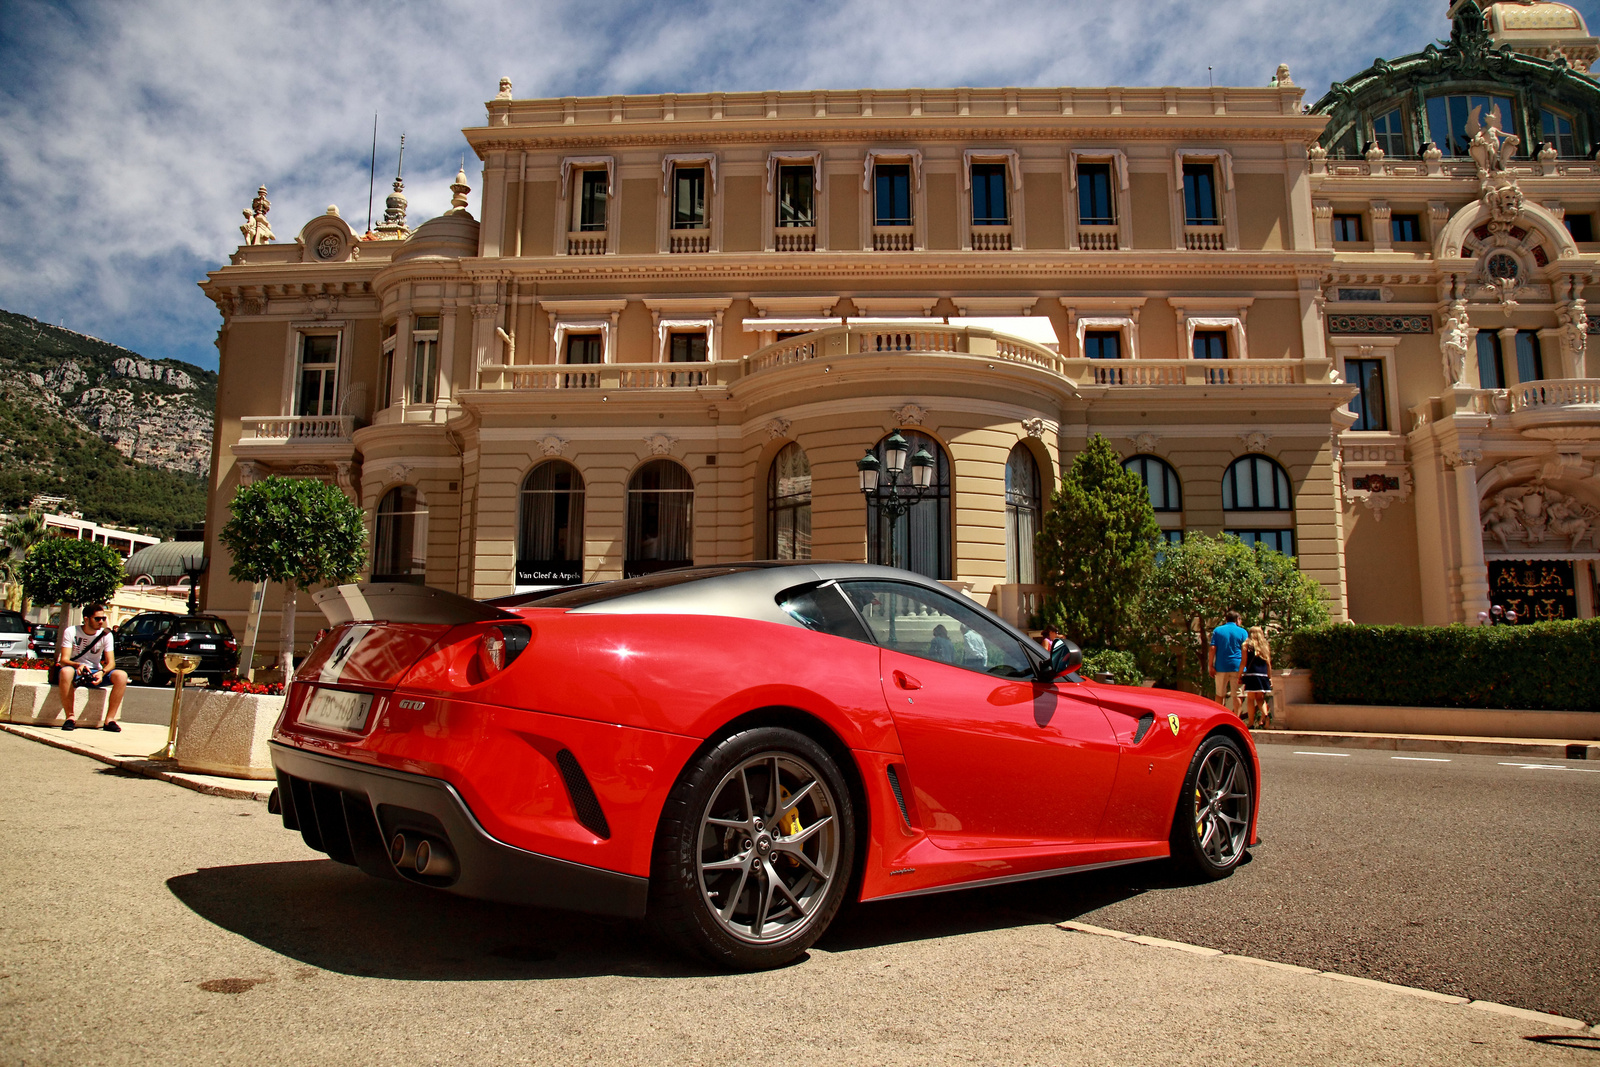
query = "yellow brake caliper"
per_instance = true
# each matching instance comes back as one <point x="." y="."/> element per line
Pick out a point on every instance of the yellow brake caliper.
<point x="791" y="823"/>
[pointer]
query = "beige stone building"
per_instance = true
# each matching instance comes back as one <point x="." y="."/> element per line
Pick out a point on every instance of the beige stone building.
<point x="671" y="326"/>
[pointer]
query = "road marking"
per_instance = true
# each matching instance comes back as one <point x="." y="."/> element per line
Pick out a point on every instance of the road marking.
<point x="1421" y="759"/>
<point x="1338" y="755"/>
<point x="1536" y="766"/>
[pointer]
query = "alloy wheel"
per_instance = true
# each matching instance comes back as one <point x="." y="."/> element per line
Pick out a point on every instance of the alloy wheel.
<point x="768" y="847"/>
<point x="1222" y="806"/>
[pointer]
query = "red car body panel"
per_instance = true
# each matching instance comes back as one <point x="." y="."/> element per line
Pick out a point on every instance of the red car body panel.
<point x="1001" y="778"/>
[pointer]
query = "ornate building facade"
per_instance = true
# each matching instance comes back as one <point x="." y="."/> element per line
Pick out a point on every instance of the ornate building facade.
<point x="676" y="324"/>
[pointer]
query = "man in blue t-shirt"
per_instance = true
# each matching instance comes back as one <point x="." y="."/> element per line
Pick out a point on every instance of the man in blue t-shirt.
<point x="1227" y="644"/>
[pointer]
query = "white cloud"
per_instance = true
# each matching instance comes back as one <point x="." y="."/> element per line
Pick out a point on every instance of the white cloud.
<point x="133" y="134"/>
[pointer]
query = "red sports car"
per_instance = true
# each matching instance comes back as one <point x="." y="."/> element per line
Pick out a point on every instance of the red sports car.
<point x="731" y="751"/>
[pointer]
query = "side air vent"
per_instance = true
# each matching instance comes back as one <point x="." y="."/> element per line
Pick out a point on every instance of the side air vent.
<point x="899" y="797"/>
<point x="1146" y="721"/>
<point x="584" y="803"/>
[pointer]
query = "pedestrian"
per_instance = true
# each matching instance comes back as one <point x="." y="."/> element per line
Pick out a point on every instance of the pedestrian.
<point x="1222" y="660"/>
<point x="86" y="658"/>
<point x="977" y="650"/>
<point x="940" y="648"/>
<point x="1050" y="636"/>
<point x="1257" y="676"/>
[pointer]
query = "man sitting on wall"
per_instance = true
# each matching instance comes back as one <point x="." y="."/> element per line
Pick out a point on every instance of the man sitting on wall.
<point x="86" y="658"/>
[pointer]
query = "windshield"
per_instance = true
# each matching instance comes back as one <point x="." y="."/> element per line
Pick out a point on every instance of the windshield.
<point x="12" y="623"/>
<point x="200" y="626"/>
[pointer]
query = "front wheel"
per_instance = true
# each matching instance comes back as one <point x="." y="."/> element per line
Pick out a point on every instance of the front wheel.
<point x="754" y="851"/>
<point x="1211" y="828"/>
<point x="149" y="673"/>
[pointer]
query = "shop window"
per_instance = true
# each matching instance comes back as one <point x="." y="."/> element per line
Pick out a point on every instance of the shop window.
<point x="400" y="538"/>
<point x="660" y="519"/>
<point x="920" y="539"/>
<point x="550" y="529"/>
<point x="789" y="504"/>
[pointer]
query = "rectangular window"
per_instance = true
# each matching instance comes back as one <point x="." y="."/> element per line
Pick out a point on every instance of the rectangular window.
<point x="319" y="374"/>
<point x="585" y="348"/>
<point x="1280" y="540"/>
<point x="1389" y="133"/>
<point x="386" y="368"/>
<point x="1491" y="368"/>
<point x="989" y="195"/>
<point x="1210" y="344"/>
<point x="1370" y="405"/>
<point x="1096" y="207"/>
<point x="424" y="359"/>
<point x="687" y="348"/>
<point x="1405" y="229"/>
<point x="796" y="196"/>
<point x="592" y="200"/>
<point x="1102" y="344"/>
<point x="1200" y="195"/>
<point x="688" y="198"/>
<point x="892" y="202"/>
<point x="1556" y="129"/>
<point x="1447" y="119"/>
<point x="1530" y="361"/>
<point x="1347" y="228"/>
<point x="1581" y="227"/>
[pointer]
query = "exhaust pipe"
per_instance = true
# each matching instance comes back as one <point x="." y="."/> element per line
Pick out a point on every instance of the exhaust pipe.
<point x="434" y="860"/>
<point x="403" y="852"/>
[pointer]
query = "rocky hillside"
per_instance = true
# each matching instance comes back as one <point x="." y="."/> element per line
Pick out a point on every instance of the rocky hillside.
<point x="127" y="439"/>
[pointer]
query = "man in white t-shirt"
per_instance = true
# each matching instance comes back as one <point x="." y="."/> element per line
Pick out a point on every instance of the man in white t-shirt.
<point x="86" y="657"/>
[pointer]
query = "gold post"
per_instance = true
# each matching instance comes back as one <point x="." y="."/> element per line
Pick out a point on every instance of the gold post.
<point x="180" y="664"/>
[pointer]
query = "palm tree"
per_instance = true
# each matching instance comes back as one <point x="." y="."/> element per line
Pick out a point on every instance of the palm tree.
<point x="23" y="533"/>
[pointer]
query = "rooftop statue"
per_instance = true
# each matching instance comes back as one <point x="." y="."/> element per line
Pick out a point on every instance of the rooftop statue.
<point x="1492" y="148"/>
<point x="255" y="229"/>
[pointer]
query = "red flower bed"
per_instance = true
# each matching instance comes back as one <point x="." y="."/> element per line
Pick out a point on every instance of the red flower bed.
<point x="27" y="664"/>
<point x="237" y="685"/>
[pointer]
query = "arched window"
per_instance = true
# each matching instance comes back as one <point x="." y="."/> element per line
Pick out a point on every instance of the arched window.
<point x="400" y="538"/>
<point x="1257" y="485"/>
<point x="789" y="504"/>
<point x="550" y="527"/>
<point x="660" y="519"/>
<point x="920" y="539"/>
<point x="1023" y="505"/>
<point x="1166" y="492"/>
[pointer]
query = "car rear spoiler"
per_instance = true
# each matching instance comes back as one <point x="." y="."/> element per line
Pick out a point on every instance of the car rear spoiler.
<point x="400" y="602"/>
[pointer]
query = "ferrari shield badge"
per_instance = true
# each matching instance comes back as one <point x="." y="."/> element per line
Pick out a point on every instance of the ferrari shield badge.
<point x="1172" y="721"/>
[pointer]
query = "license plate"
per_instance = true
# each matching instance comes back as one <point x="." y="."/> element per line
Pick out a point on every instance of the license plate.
<point x="337" y="710"/>
<point x="208" y="648"/>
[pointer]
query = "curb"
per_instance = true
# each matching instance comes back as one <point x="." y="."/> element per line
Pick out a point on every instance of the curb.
<point x="148" y="768"/>
<point x="1542" y="748"/>
<point x="1541" y="1018"/>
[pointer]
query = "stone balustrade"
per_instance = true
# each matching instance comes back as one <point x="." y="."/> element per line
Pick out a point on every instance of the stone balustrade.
<point x="318" y="429"/>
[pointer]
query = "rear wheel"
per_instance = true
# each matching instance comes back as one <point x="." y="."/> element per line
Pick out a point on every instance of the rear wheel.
<point x="149" y="672"/>
<point x="1212" y="826"/>
<point x="754" y="851"/>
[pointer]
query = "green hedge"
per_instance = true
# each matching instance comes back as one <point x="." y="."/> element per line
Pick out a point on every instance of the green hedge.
<point x="1549" y="666"/>
<point x="1123" y="666"/>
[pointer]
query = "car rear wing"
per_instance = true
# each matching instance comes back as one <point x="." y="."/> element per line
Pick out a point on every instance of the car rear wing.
<point x="401" y="602"/>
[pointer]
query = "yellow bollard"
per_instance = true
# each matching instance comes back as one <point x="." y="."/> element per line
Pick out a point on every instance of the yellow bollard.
<point x="180" y="664"/>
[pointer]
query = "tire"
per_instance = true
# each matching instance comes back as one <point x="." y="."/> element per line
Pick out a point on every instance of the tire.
<point x="738" y="883"/>
<point x="1211" y="828"/>
<point x="149" y="672"/>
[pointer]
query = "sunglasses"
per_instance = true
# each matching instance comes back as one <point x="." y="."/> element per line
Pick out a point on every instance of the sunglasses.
<point x="97" y="618"/>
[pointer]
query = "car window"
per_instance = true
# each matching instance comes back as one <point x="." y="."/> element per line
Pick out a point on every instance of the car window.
<point x="823" y="608"/>
<point x="920" y="622"/>
<point x="12" y="623"/>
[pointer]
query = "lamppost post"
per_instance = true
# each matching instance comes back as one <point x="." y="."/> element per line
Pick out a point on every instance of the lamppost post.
<point x="896" y="503"/>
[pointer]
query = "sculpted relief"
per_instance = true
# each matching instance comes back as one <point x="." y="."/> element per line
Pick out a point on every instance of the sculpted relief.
<point x="1537" y="515"/>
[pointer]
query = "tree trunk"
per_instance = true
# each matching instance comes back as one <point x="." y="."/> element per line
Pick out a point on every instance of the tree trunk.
<point x="286" y="634"/>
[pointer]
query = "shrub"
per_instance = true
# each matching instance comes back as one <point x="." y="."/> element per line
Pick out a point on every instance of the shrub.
<point x="61" y="570"/>
<point x="1122" y="666"/>
<point x="1551" y="666"/>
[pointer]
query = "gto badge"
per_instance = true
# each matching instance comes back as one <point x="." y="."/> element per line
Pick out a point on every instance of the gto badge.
<point x="1172" y="721"/>
<point x="413" y="705"/>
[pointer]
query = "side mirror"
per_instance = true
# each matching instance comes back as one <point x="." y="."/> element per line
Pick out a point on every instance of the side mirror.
<point x="1065" y="657"/>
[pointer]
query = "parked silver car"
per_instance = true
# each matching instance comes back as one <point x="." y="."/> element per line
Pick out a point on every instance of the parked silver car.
<point x="14" y="631"/>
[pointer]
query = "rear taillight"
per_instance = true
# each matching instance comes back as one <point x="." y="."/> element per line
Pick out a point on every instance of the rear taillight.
<point x="230" y="644"/>
<point x="177" y="642"/>
<point x="499" y="646"/>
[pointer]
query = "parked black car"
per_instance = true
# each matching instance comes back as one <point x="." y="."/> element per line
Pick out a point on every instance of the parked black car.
<point x="144" y="641"/>
<point x="42" y="641"/>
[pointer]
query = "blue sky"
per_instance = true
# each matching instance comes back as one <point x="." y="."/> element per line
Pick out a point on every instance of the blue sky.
<point x="133" y="132"/>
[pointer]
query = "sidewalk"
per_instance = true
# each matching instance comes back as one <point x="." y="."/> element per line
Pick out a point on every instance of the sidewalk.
<point x="130" y="751"/>
<point x="1536" y="747"/>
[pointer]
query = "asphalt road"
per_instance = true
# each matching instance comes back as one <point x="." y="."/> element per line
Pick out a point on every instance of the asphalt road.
<point x="144" y="924"/>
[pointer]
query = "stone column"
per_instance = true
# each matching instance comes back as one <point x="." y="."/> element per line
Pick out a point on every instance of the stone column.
<point x="1584" y="588"/>
<point x="1508" y="357"/>
<point x="1473" y="572"/>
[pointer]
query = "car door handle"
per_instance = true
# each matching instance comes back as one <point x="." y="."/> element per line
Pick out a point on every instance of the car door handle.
<point x="905" y="681"/>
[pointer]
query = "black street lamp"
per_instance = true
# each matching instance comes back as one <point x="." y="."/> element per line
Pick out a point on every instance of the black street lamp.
<point x="894" y="505"/>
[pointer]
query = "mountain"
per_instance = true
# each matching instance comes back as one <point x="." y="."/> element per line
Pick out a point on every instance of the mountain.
<point x="125" y="438"/>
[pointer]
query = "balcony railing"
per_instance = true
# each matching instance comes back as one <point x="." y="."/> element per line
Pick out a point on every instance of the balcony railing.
<point x="794" y="238"/>
<point x="311" y="429"/>
<point x="1204" y="238"/>
<point x="1099" y="238"/>
<point x="691" y="240"/>
<point x="912" y="341"/>
<point x="1560" y="392"/>
<point x="894" y="238"/>
<point x="1017" y="604"/>
<point x="586" y="243"/>
<point x="991" y="238"/>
